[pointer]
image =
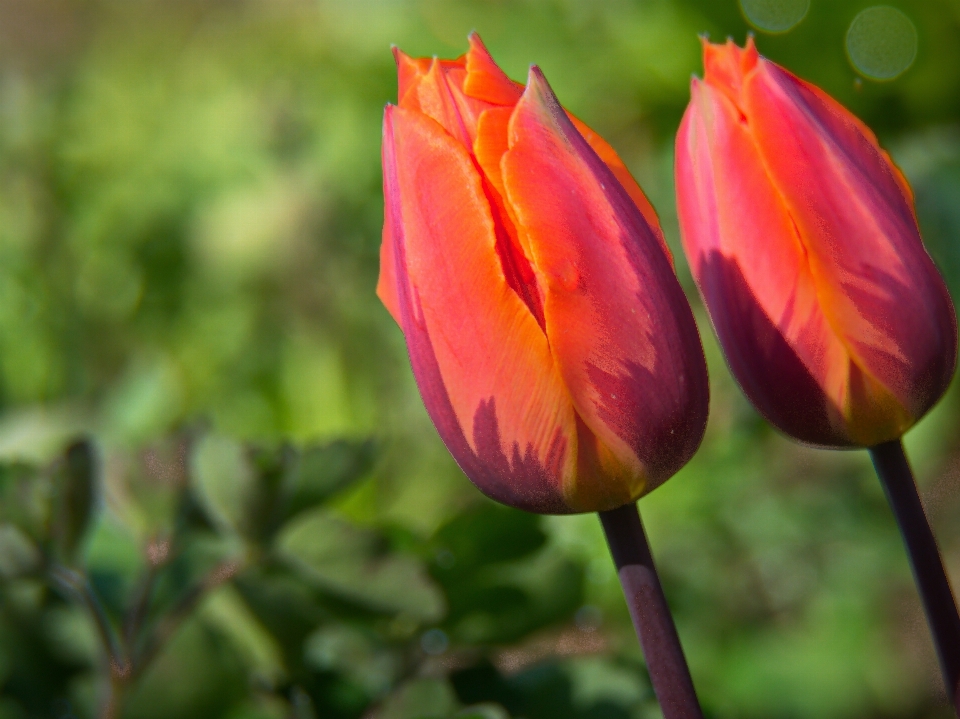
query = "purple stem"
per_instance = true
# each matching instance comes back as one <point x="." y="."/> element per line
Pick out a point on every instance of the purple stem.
<point x="928" y="572"/>
<point x="651" y="615"/>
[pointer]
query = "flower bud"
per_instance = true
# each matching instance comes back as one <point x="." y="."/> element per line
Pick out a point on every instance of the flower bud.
<point x="802" y="237"/>
<point x="551" y="342"/>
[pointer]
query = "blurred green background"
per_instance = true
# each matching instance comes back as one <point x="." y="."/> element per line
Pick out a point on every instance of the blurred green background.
<point x="262" y="513"/>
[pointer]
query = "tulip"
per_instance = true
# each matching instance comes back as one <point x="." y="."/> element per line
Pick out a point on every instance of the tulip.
<point x="802" y="237"/>
<point x="551" y="342"/>
<point x="550" y="339"/>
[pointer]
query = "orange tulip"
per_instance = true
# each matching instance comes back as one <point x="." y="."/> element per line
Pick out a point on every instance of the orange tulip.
<point x="802" y="237"/>
<point x="551" y="342"/>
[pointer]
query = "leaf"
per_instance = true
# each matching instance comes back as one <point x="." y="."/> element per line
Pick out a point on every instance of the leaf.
<point x="226" y="610"/>
<point x="19" y="556"/>
<point x="290" y="481"/>
<point x="324" y="470"/>
<point x="343" y="559"/>
<point x="25" y="500"/>
<point x="485" y="535"/>
<point x="223" y="480"/>
<point x="74" y="499"/>
<point x="255" y="491"/>
<point x="356" y="654"/>
<point x="263" y="510"/>
<point x="421" y="699"/>
<point x="482" y="711"/>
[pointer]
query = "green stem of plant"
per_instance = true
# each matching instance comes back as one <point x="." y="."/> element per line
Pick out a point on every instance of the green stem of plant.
<point x="179" y="613"/>
<point x="939" y="604"/>
<point x="648" y="607"/>
<point x="113" y="707"/>
<point x="77" y="584"/>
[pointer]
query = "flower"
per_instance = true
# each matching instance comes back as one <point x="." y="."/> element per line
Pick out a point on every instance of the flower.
<point x="551" y="342"/>
<point x="802" y="237"/>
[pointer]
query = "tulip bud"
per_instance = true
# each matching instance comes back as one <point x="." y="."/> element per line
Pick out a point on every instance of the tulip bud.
<point x="550" y="340"/>
<point x="802" y="237"/>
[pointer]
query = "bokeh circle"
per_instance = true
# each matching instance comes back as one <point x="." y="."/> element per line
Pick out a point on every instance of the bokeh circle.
<point x="881" y="42"/>
<point x="774" y="16"/>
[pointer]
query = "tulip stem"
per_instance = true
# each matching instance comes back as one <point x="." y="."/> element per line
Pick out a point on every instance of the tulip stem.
<point x="928" y="572"/>
<point x="652" y="621"/>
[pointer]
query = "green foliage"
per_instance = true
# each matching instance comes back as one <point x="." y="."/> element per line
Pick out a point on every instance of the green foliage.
<point x="190" y="216"/>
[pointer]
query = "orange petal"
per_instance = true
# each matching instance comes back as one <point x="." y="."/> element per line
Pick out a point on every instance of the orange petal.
<point x="726" y="66"/>
<point x="481" y="361"/>
<point x="409" y="73"/>
<point x="612" y="160"/>
<point x="875" y="281"/>
<point x="754" y="275"/>
<point x="485" y="80"/>
<point x="491" y="143"/>
<point x="387" y="282"/>
<point x="618" y="323"/>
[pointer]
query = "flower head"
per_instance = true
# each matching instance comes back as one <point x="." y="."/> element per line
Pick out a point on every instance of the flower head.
<point x="802" y="237"/>
<point x="551" y="342"/>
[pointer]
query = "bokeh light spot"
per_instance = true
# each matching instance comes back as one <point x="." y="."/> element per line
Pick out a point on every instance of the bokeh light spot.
<point x="434" y="642"/>
<point x="881" y="42"/>
<point x="774" y="16"/>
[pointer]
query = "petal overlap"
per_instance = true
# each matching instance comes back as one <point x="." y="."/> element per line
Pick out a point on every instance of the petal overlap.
<point x="599" y="263"/>
<point x="550" y="340"/>
<point x="803" y="240"/>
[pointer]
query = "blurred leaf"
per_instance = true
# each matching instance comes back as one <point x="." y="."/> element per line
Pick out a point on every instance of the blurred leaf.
<point x="289" y="480"/>
<point x="255" y="491"/>
<point x="226" y="610"/>
<point x="224" y="480"/>
<point x="421" y="699"/>
<point x="198" y="674"/>
<point x="25" y="500"/>
<point x="356" y="654"/>
<point x="74" y="482"/>
<point x="482" y="711"/>
<point x="488" y="534"/>
<point x="491" y="563"/>
<point x="263" y="507"/>
<point x="324" y="470"/>
<point x="347" y="560"/>
<point x="18" y="555"/>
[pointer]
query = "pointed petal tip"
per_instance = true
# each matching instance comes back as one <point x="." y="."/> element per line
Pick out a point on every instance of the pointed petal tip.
<point x="539" y="90"/>
<point x="388" y="110"/>
<point x="477" y="47"/>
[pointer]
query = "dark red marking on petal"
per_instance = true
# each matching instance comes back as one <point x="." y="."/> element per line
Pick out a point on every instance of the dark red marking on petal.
<point x="764" y="364"/>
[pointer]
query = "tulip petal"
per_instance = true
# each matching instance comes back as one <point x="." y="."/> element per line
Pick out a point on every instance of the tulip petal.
<point x="612" y="160"/>
<point x="492" y="141"/>
<point x="481" y="361"/>
<point x="485" y="80"/>
<point x="760" y="293"/>
<point x="409" y="73"/>
<point x="387" y="282"/>
<point x="879" y="288"/>
<point x="618" y="323"/>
